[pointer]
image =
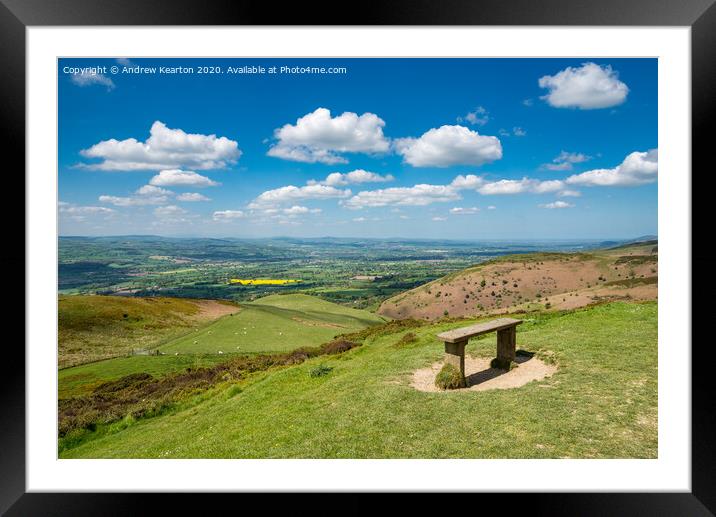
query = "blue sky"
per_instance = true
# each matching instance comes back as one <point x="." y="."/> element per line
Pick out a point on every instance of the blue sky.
<point x="448" y="148"/>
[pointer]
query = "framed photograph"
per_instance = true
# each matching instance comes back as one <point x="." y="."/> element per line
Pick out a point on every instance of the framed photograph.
<point x="445" y="249"/>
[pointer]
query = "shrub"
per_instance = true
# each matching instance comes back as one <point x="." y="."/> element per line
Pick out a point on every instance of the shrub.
<point x="337" y="346"/>
<point x="449" y="378"/>
<point x="408" y="338"/>
<point x="320" y="370"/>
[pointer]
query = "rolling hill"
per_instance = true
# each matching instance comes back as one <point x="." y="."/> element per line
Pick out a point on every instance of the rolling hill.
<point x="91" y="328"/>
<point x="275" y="323"/>
<point x="186" y="333"/>
<point x="537" y="281"/>
<point x="600" y="403"/>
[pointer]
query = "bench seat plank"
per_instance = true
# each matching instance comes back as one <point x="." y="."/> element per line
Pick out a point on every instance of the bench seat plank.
<point x="464" y="333"/>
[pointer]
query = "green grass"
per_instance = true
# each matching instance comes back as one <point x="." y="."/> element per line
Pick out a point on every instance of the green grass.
<point x="601" y="403"/>
<point x="97" y="327"/>
<point x="276" y="323"/>
<point x="81" y="380"/>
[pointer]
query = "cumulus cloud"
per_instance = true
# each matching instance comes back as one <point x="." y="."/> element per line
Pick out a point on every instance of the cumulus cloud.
<point x="478" y="116"/>
<point x="418" y="195"/>
<point x="80" y="213"/>
<point x="469" y="181"/>
<point x="638" y="168"/>
<point x="338" y="179"/>
<point x="557" y="204"/>
<point x="587" y="87"/>
<point x="146" y="195"/>
<point x="169" y="211"/>
<point x="165" y="148"/>
<point x="564" y="161"/>
<point x="180" y="178"/>
<point x="569" y="193"/>
<point x="518" y="131"/>
<point x="449" y="145"/>
<point x="318" y="137"/>
<point x="292" y="193"/>
<point x="228" y="215"/>
<point x="68" y="208"/>
<point x="87" y="78"/>
<point x="520" y="186"/>
<point x="192" y="197"/>
<point x="464" y="211"/>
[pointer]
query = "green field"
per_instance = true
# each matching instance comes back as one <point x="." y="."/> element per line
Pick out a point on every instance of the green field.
<point x="601" y="403"/>
<point x="81" y="380"/>
<point x="276" y="323"/>
<point x="97" y="327"/>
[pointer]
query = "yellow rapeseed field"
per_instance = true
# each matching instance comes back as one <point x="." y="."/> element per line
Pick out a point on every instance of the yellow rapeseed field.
<point x="262" y="281"/>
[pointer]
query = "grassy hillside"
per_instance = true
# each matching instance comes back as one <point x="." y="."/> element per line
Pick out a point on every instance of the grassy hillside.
<point x="274" y="323"/>
<point x="96" y="327"/>
<point x="271" y="324"/>
<point x="601" y="402"/>
<point x="536" y="281"/>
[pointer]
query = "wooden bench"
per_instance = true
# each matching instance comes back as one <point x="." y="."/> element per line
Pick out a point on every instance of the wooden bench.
<point x="455" y="341"/>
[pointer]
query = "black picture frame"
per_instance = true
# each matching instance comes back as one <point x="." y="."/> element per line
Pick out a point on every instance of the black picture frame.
<point x="699" y="15"/>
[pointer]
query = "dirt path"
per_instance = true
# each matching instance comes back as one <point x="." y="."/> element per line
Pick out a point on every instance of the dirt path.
<point x="480" y="377"/>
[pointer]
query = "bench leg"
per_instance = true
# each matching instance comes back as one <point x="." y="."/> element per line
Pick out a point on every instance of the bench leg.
<point x="455" y="355"/>
<point x="506" y="344"/>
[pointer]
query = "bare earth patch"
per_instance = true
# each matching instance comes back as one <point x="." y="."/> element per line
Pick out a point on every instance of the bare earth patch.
<point x="480" y="377"/>
<point x="211" y="310"/>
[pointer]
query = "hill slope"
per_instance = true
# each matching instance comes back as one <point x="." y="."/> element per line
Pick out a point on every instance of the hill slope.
<point x="175" y="329"/>
<point x="274" y="323"/>
<point x="601" y="402"/>
<point x="533" y="282"/>
<point x="97" y="327"/>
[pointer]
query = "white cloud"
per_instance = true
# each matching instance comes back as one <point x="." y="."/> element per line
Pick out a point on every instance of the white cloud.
<point x="492" y="207"/>
<point x="587" y="87"/>
<point x="296" y="210"/>
<point x="179" y="178"/>
<point x="569" y="193"/>
<point x="541" y="187"/>
<point x="291" y="193"/>
<point x="338" y="179"/>
<point x="68" y="208"/>
<point x="557" y="204"/>
<point x="528" y="102"/>
<point x="318" y="137"/>
<point x="520" y="186"/>
<point x="505" y="187"/>
<point x="469" y="181"/>
<point x="87" y="78"/>
<point x="464" y="211"/>
<point x="418" y="195"/>
<point x="145" y="195"/>
<point x="164" y="149"/>
<point x="438" y="218"/>
<point x="359" y="219"/>
<point x="169" y="211"/>
<point x="638" y="168"/>
<point x="478" y="116"/>
<point x="449" y="145"/>
<point x="227" y="215"/>
<point x="192" y="197"/>
<point x="151" y="190"/>
<point x="564" y="161"/>
<point x="518" y="131"/>
<point x="80" y="213"/>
